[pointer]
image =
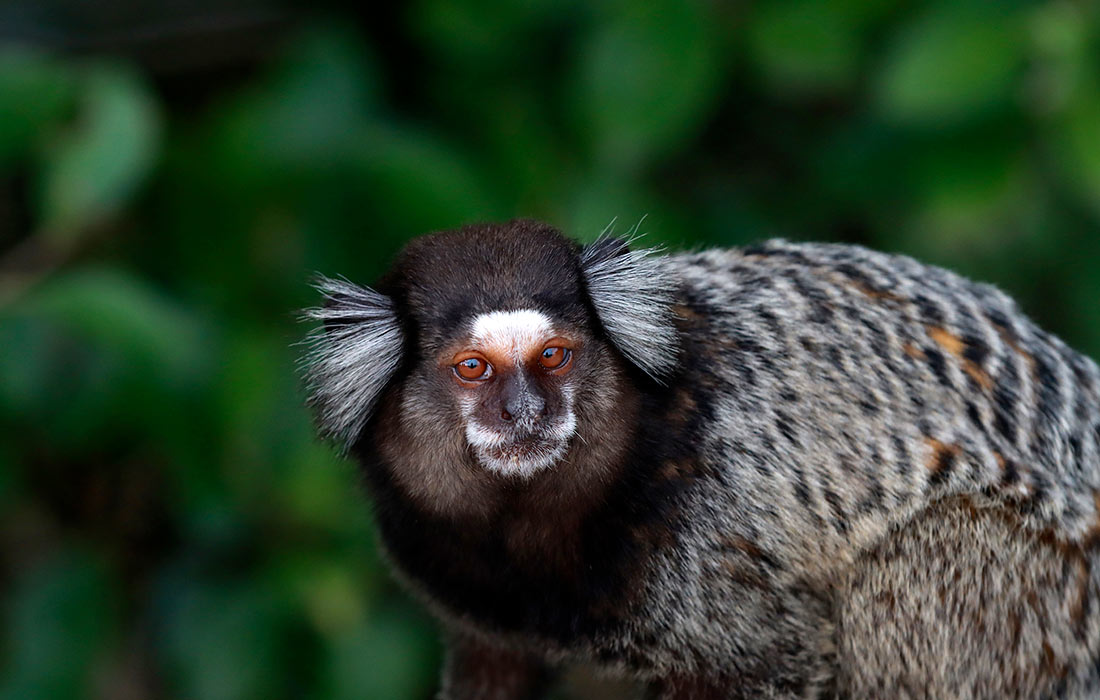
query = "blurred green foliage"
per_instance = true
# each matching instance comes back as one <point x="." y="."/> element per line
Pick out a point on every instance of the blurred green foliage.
<point x="169" y="527"/>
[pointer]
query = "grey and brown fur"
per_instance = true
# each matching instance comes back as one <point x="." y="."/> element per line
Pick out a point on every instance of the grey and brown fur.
<point x="798" y="471"/>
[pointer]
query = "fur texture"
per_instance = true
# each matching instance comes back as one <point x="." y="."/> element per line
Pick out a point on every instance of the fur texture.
<point x="858" y="476"/>
<point x="633" y="299"/>
<point x="352" y="356"/>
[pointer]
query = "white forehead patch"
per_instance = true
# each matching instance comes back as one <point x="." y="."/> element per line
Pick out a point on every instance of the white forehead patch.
<point x="511" y="332"/>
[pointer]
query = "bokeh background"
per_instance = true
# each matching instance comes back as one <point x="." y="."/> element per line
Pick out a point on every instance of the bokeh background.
<point x="173" y="173"/>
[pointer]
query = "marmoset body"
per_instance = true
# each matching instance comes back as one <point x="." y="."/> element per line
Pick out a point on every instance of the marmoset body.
<point x="789" y="470"/>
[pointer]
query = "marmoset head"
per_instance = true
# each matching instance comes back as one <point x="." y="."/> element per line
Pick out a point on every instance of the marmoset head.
<point x="497" y="337"/>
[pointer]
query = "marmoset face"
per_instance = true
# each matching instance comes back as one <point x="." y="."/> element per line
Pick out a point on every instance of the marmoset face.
<point x="492" y="346"/>
<point x="511" y="378"/>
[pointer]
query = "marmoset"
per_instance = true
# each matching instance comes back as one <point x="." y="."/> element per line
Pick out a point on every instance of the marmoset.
<point x="784" y="471"/>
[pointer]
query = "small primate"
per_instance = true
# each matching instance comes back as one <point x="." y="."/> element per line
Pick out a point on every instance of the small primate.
<point x="782" y="471"/>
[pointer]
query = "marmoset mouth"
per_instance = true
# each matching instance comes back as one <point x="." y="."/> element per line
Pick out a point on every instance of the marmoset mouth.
<point x="522" y="457"/>
<point x="524" y="448"/>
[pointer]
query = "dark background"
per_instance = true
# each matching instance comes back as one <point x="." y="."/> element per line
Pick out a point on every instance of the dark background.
<point x="173" y="173"/>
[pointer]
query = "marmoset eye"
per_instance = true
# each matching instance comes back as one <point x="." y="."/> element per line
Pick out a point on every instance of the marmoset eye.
<point x="555" y="357"/>
<point x="473" y="369"/>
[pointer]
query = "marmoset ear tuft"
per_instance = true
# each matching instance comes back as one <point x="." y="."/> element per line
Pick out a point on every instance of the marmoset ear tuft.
<point x="351" y="357"/>
<point x="632" y="293"/>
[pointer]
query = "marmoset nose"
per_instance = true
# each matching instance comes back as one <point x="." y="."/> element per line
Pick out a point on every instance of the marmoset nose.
<point x="525" y="406"/>
<point x="522" y="403"/>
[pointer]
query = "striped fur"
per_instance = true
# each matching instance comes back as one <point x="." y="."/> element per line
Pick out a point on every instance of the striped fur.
<point x="859" y="477"/>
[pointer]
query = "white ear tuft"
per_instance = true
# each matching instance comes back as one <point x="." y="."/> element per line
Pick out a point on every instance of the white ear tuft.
<point x="633" y="292"/>
<point x="351" y="357"/>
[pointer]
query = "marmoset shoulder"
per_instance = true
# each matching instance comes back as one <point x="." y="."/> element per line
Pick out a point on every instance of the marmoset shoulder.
<point x="788" y="470"/>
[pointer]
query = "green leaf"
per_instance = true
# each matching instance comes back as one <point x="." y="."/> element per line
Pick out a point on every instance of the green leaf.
<point x="223" y="640"/>
<point x="420" y="181"/>
<point x="484" y="33"/>
<point x="59" y="621"/>
<point x="335" y="588"/>
<point x="805" y="46"/>
<point x="118" y="310"/>
<point x="603" y="201"/>
<point x="97" y="165"/>
<point x="1077" y="148"/>
<point x="318" y="96"/>
<point x="952" y="64"/>
<point x="970" y="205"/>
<point x="647" y="78"/>
<point x="35" y="92"/>
<point x="393" y="657"/>
<point x="25" y="367"/>
<point x="96" y="349"/>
